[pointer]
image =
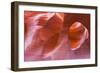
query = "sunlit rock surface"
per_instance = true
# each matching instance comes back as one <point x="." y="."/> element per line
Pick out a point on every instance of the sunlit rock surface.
<point x="47" y="37"/>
